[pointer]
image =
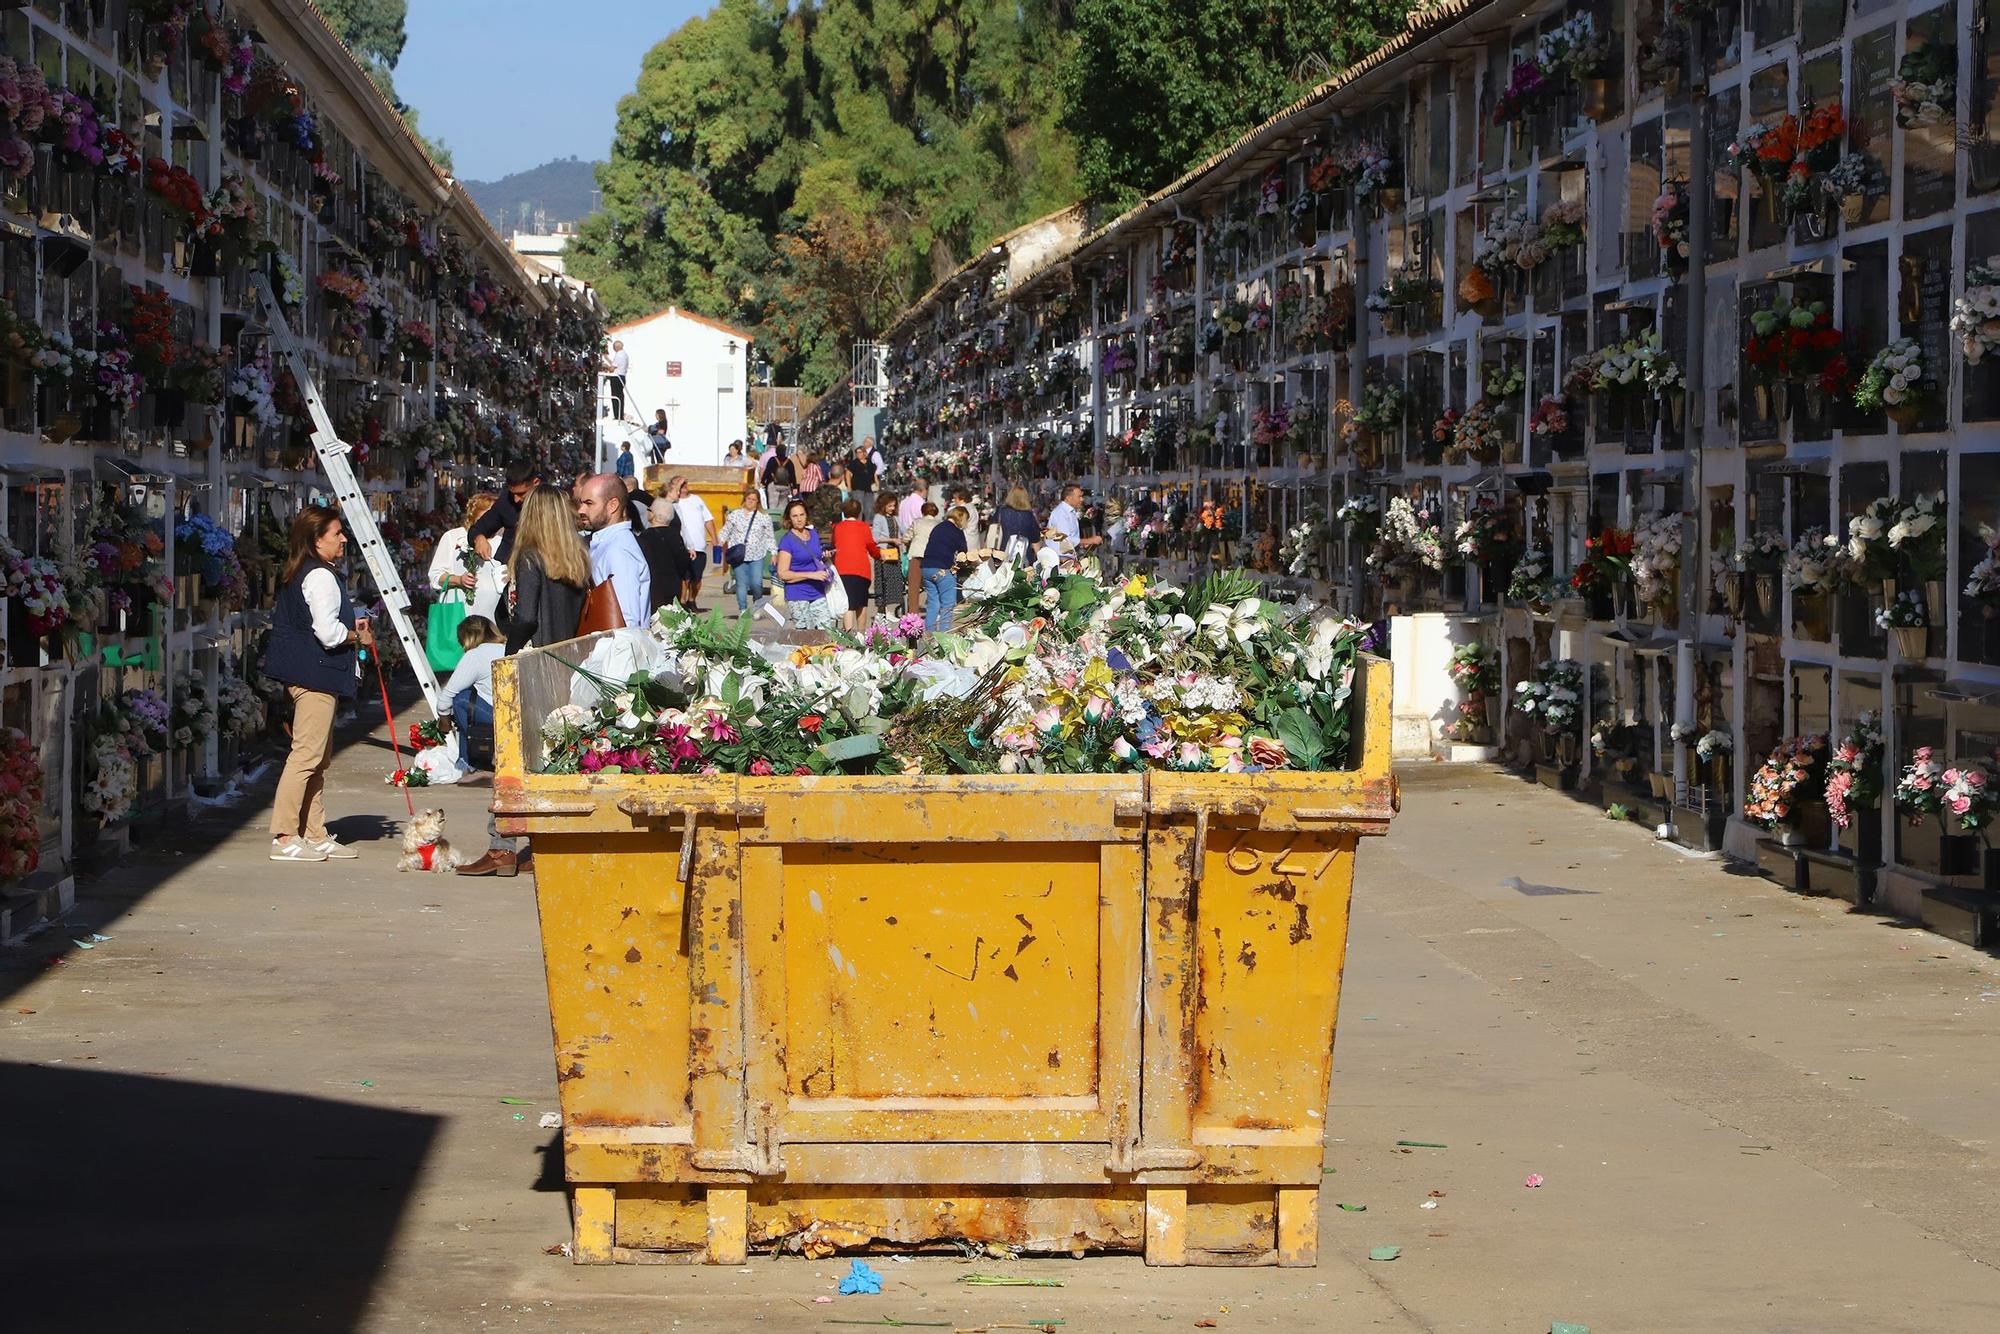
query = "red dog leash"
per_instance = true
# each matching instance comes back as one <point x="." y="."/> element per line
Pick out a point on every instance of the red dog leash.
<point x="389" y="716"/>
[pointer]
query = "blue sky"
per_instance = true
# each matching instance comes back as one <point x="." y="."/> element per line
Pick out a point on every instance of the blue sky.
<point x="511" y="84"/>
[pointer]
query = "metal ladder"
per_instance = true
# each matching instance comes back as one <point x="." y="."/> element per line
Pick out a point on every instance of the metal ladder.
<point x="333" y="452"/>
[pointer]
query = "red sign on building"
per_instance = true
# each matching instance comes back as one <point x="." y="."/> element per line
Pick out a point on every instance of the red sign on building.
<point x="673" y="369"/>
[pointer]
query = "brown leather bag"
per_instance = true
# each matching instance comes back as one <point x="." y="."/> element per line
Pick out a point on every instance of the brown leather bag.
<point x="600" y="611"/>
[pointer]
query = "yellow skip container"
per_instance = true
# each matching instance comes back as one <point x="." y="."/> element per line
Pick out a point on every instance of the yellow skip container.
<point x="1064" y="1014"/>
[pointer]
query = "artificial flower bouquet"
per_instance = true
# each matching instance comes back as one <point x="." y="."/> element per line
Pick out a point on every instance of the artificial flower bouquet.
<point x="1964" y="797"/>
<point x="1409" y="528"/>
<point x="1791" y="775"/>
<point x="20" y="805"/>
<point x="1554" y="696"/>
<point x="1490" y="534"/>
<point x="1975" y="317"/>
<point x="1854" y="771"/>
<point x="1897" y="380"/>
<point x="1925" y="88"/>
<point x="1817" y="563"/>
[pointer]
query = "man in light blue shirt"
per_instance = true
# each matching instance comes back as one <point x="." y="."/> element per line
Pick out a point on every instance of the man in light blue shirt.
<point x="614" y="548"/>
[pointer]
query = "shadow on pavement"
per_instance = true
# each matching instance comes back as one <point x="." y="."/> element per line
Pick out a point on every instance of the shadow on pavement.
<point x="166" y="845"/>
<point x="164" y="1205"/>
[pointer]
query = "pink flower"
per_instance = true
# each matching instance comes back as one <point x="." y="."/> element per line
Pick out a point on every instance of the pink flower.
<point x="760" y="768"/>
<point x="1268" y="752"/>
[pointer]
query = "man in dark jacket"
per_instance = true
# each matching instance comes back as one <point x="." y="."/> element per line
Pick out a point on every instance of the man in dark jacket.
<point x="523" y="476"/>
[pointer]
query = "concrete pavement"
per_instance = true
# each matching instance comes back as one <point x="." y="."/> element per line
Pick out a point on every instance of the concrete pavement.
<point x="272" y="1101"/>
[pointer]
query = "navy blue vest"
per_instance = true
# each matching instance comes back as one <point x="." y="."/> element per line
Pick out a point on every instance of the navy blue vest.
<point x="295" y="655"/>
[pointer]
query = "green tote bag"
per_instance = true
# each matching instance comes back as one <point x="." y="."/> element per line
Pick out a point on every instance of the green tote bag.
<point x="441" y="635"/>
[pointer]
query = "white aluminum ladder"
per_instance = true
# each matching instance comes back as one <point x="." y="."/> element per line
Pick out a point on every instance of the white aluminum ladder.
<point x="333" y="452"/>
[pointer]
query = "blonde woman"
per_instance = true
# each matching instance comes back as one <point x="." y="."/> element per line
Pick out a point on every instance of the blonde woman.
<point x="549" y="572"/>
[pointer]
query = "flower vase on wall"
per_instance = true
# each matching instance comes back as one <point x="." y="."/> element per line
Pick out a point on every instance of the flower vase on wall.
<point x="1934" y="601"/>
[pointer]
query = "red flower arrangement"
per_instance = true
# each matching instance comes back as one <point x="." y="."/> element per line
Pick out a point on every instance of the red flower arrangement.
<point x="1790" y="342"/>
<point x="1819" y="137"/>
<point x="149" y="331"/>
<point x="1607" y="557"/>
<point x="178" y="191"/>
<point x="425" y="735"/>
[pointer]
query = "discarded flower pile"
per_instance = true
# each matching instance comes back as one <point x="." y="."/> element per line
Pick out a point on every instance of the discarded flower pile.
<point x="1048" y="673"/>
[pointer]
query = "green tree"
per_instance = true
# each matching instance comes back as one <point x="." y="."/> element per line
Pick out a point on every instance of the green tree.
<point x="1152" y="88"/>
<point x="373" y="31"/>
<point x="808" y="168"/>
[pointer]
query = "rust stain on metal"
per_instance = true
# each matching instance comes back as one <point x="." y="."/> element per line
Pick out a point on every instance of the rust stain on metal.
<point x="1009" y="973"/>
<point x="1055" y="1059"/>
<point x="1301" y="928"/>
<point x="1278" y="889"/>
<point x="632" y="955"/>
<point x="1247" y="957"/>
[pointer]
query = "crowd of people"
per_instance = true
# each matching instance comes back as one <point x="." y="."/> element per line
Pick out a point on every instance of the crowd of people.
<point x="534" y="564"/>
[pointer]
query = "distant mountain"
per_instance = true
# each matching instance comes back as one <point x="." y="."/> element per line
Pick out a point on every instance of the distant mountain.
<point x="538" y="199"/>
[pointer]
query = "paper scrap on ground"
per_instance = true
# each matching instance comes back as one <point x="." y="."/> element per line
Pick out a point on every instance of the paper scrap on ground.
<point x="1385" y="1252"/>
<point x="1355" y="1208"/>
<point x="551" y="1121"/>
<point x="517" y="1102"/>
<point x="1419" y="1144"/>
<point x="1534" y="1180"/>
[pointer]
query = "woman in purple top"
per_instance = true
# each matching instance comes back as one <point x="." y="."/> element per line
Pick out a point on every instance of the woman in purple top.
<point x="802" y="569"/>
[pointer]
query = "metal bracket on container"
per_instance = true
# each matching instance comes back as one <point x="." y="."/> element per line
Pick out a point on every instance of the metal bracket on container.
<point x="642" y="807"/>
<point x="761" y="1158"/>
<point x="1127" y="1156"/>
<point x="1203" y="811"/>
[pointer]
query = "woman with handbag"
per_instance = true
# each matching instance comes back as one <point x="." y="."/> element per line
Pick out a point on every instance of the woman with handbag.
<point x="747" y="545"/>
<point x="802" y="569"/>
<point x="454" y="569"/>
<point x="889" y="578"/>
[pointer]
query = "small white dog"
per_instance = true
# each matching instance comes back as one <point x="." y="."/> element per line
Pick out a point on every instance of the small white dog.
<point x="425" y="847"/>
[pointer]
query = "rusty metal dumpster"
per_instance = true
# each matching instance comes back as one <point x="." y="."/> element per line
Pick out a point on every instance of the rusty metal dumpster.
<point x="1065" y="1014"/>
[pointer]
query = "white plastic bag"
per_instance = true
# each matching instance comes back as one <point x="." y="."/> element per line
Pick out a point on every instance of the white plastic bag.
<point x="619" y="656"/>
<point x="439" y="764"/>
<point x="836" y="592"/>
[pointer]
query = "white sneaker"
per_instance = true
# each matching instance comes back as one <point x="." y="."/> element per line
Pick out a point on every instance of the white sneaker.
<point x="335" y="849"/>
<point x="295" y="850"/>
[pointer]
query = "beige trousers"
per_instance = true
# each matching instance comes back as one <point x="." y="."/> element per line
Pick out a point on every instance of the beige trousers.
<point x="301" y="808"/>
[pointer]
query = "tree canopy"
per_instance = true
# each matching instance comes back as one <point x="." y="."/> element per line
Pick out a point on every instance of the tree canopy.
<point x="373" y="32"/>
<point x="1152" y="88"/>
<point x="806" y="168"/>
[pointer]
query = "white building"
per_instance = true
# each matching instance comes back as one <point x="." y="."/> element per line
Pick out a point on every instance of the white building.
<point x="693" y="367"/>
<point x="544" y="250"/>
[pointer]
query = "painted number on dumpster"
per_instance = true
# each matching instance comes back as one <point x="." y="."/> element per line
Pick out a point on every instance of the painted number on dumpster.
<point x="1250" y="861"/>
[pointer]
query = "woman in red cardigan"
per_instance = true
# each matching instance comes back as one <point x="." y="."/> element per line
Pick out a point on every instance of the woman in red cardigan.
<point x="854" y="557"/>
